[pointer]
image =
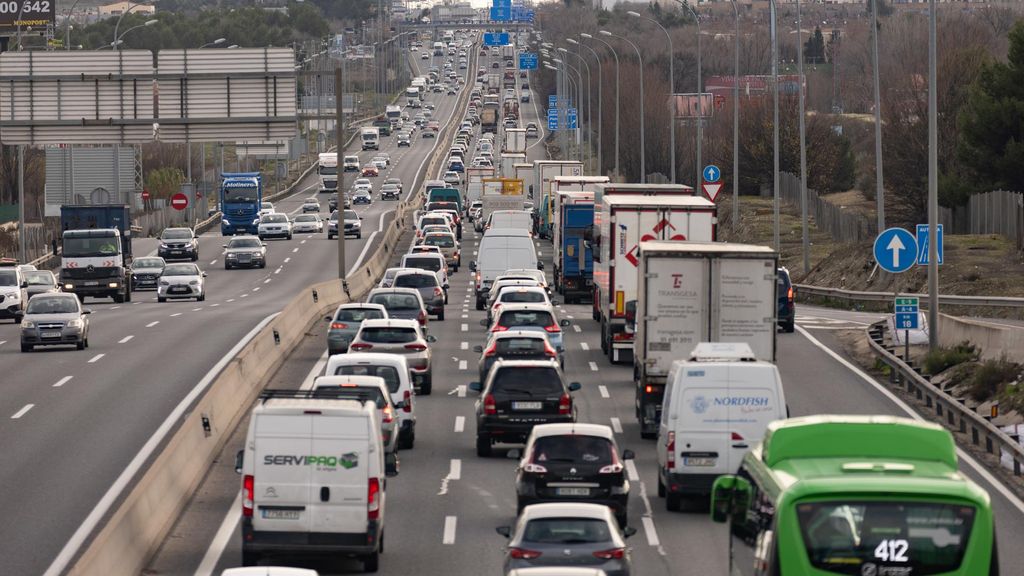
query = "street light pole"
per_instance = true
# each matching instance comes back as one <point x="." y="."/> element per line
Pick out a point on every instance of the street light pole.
<point x="616" y="56"/>
<point x="736" y="123"/>
<point x="775" y="126"/>
<point x="933" y="182"/>
<point x="600" y="107"/>
<point x="672" y="89"/>
<point x="803" y="141"/>
<point x="590" y="124"/>
<point x="117" y="25"/>
<point x="643" y="156"/>
<point x="879" y="184"/>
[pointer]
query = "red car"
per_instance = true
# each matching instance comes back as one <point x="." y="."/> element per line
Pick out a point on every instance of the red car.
<point x="370" y="170"/>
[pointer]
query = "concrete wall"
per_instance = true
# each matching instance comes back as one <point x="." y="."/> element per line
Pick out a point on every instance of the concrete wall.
<point x="993" y="340"/>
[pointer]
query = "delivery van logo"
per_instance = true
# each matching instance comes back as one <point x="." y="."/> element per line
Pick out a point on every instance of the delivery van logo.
<point x="699" y="405"/>
<point x="635" y="250"/>
<point x="677" y="281"/>
<point x="349" y="461"/>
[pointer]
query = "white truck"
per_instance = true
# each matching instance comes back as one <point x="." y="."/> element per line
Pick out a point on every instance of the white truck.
<point x="475" y="183"/>
<point x="493" y="199"/>
<point x="370" y="138"/>
<point x="412" y="97"/>
<point x="543" y="172"/>
<point x="327" y="170"/>
<point x="693" y="292"/>
<point x="507" y="162"/>
<point x="515" y="141"/>
<point x="622" y="222"/>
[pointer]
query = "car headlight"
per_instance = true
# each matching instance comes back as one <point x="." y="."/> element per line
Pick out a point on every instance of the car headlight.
<point x="14" y="296"/>
<point x="193" y="283"/>
<point x="76" y="323"/>
<point x="27" y="324"/>
<point x="162" y="245"/>
<point x="69" y="286"/>
<point x="231" y="256"/>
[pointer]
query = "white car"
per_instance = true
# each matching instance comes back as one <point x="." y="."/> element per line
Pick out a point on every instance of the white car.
<point x="184" y="280"/>
<point x="351" y="164"/>
<point x="394" y="369"/>
<point x="308" y="223"/>
<point x="362" y="184"/>
<point x="380" y="163"/>
<point x="452" y="177"/>
<point x="275" y="226"/>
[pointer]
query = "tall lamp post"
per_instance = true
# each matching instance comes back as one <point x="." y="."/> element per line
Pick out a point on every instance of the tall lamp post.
<point x="643" y="143"/>
<point x="117" y="25"/>
<point x="600" y="106"/>
<point x="775" y="127"/>
<point x="590" y="124"/>
<point x="700" y="92"/>
<point x="672" y="89"/>
<point x="118" y="40"/>
<point x="616" y="56"/>
<point x="67" y="25"/>
<point x="736" y="123"/>
<point x="215" y="42"/>
<point x="879" y="183"/>
<point x="805" y="240"/>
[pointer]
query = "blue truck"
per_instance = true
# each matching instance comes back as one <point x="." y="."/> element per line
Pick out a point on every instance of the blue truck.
<point x="241" y="194"/>
<point x="575" y="265"/>
<point x="96" y="251"/>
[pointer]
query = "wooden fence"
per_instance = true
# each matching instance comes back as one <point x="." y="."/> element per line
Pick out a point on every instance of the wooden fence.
<point x="998" y="212"/>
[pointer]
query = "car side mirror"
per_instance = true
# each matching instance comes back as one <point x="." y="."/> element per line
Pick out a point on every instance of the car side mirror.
<point x="563" y="322"/>
<point x="574" y="386"/>
<point x="204" y="274"/>
<point x="223" y="245"/>
<point x="540" y="265"/>
<point x="730" y="497"/>
<point x="628" y="531"/>
<point x="505" y="531"/>
<point x="554" y="302"/>
<point x="483" y="322"/>
<point x="263" y="244"/>
<point x="327" y="318"/>
<point x="628" y="454"/>
<point x="431" y="338"/>
<point x="476" y="386"/>
<point x="360" y="217"/>
<point x="24" y="284"/>
<point x="478" y="349"/>
<point x="86" y="311"/>
<point x="391" y="465"/>
<point x="239" y="459"/>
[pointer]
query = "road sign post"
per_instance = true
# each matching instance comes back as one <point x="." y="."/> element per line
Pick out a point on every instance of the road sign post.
<point x="907" y="314"/>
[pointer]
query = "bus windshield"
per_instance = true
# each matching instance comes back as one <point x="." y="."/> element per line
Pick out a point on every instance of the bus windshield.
<point x="918" y="538"/>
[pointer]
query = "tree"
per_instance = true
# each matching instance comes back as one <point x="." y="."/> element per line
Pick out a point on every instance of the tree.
<point x="814" y="48"/>
<point x="164" y="182"/>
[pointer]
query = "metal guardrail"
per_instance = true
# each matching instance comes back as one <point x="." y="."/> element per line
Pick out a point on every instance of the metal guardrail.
<point x="944" y="299"/>
<point x="946" y="409"/>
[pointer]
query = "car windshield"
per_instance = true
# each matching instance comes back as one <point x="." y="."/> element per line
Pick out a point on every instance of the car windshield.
<point x="39" y="278"/>
<point x="274" y="218"/>
<point x="181" y="270"/>
<point x="360" y="393"/>
<point x="148" y="263"/>
<point x="432" y="264"/>
<point x="176" y="234"/>
<point x="388" y="373"/>
<point x="440" y="240"/>
<point x="566" y="531"/>
<point x="588" y="450"/>
<point x="351" y="215"/>
<point x="8" y="277"/>
<point x="61" y="305"/>
<point x="534" y="381"/>
<point x="396" y="301"/>
<point x="416" y="281"/>
<point x="388" y="335"/>
<point x="357" y="314"/>
<point x="244" y="243"/>
<point x="305" y="218"/>
<point x="517" y="318"/>
<point x="522" y="296"/>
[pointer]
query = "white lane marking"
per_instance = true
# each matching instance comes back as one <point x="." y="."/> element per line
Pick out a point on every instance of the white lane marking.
<point x="593" y="366"/>
<point x="462" y="345"/>
<point x="604" y="391"/>
<point x="465" y="315"/>
<point x="256" y="289"/>
<point x="278" y="271"/>
<point x="197" y="309"/>
<point x="318" y="367"/>
<point x="462" y="365"/>
<point x="230" y="299"/>
<point x="175" y="314"/>
<point x="650" y="532"/>
<point x="465" y="327"/>
<point x="455" y="469"/>
<point x="287" y="260"/>
<point x="126" y="338"/>
<point x="2" y="342"/>
<point x="23" y="411"/>
<point x="616" y="425"/>
<point x="62" y="381"/>
<point x="220" y="540"/>
<point x="212" y="262"/>
<point x="267" y="281"/>
<point x="244" y="296"/>
<point x="631" y="472"/>
<point x="968" y="459"/>
<point x="449" y="530"/>
<point x="214" y="305"/>
<point x="153" y="323"/>
<point x="126" y="477"/>
<point x="294" y="250"/>
<point x="114" y="307"/>
<point x="461" y="390"/>
<point x="584" y="345"/>
<point x="576" y="328"/>
<point x="569" y="317"/>
<point x="460" y="423"/>
<point x="96" y="358"/>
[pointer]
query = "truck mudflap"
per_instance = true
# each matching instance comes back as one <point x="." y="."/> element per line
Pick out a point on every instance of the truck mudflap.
<point x="649" y="399"/>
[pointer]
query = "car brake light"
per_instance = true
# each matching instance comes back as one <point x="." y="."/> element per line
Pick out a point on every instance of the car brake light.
<point x="554" y="328"/>
<point x="490" y="408"/>
<point x="248" y="487"/>
<point x="373" y="499"/>
<point x="417" y="347"/>
<point x="565" y="405"/>
<point x="789" y="294"/>
<point x="611" y="554"/>
<point x="491" y="350"/>
<point x="499" y="328"/>
<point x="622" y="336"/>
<point x="614" y="468"/>
<point x="338" y="325"/>
<point x="389" y="415"/>
<point x="407" y="401"/>
<point x="670" y="448"/>
<point x="737" y="437"/>
<point x="523" y="553"/>
<point x="549" y="350"/>
<point x="361" y="346"/>
<point x="422" y="318"/>
<point x="438" y="291"/>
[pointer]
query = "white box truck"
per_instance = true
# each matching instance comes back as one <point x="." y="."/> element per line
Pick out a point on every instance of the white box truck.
<point x="496" y="197"/>
<point x="370" y="138"/>
<point x="507" y="162"/>
<point x="412" y="97"/>
<point x="515" y="141"/>
<point x="327" y="170"/>
<point x="544" y="171"/>
<point x="693" y="292"/>
<point x="475" y="183"/>
<point x="625" y="222"/>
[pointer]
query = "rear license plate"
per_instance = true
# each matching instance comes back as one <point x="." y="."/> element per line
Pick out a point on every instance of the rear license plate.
<point x="280" y="514"/>
<point x="92" y="283"/>
<point x="51" y="335"/>
<point x="572" y="491"/>
<point x="526" y="405"/>
<point x="699" y="461"/>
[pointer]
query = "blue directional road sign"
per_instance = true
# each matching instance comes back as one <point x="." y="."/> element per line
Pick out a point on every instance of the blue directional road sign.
<point x="922" y="243"/>
<point x="895" y="250"/>
<point x="495" y="38"/>
<point x="570" y="119"/>
<point x="528" y="61"/>
<point x="500" y="14"/>
<point x="552" y="119"/>
<point x="552" y="101"/>
<point x="712" y="173"/>
<point x="907" y="310"/>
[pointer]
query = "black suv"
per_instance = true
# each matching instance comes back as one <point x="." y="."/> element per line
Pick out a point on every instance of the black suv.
<point x="332" y="202"/>
<point x="573" y="463"/>
<point x="518" y="395"/>
<point x="178" y="244"/>
<point x="787" y="303"/>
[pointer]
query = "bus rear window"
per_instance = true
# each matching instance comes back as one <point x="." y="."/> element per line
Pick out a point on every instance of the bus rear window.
<point x="885" y="537"/>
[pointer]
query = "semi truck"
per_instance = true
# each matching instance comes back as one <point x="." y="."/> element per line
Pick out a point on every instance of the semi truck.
<point x="561" y="199"/>
<point x="510" y="109"/>
<point x="474" y="182"/>
<point x="693" y="292"/>
<point x="507" y="162"/>
<point x="621" y="224"/>
<point x="574" y="262"/>
<point x="241" y="194"/>
<point x="412" y="97"/>
<point x="327" y="170"/>
<point x="489" y="120"/>
<point x="544" y="171"/>
<point x="514" y="141"/>
<point x="96" y="251"/>
<point x="559" y="184"/>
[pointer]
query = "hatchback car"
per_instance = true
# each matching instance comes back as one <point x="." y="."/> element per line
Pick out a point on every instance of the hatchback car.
<point x="517" y="295"/>
<point x="513" y="345"/>
<point x="181" y="281"/>
<point x="362" y="196"/>
<point x="179" y="244"/>
<point x="40" y="282"/>
<point x="787" y="301"/>
<point x="395" y="336"/>
<point x="452" y="177"/>
<point x="308" y="224"/>
<point x="364" y="389"/>
<point x="55" y="319"/>
<point x="275" y="226"/>
<point x="517" y="395"/>
<point x="449" y="248"/>
<point x="429" y="287"/>
<point x="245" y="252"/>
<point x="404" y="303"/>
<point x="536" y="317"/>
<point x="394" y="369"/>
<point x="345" y="322"/>
<point x="573" y="463"/>
<point x="568" y="534"/>
<point x="311" y="205"/>
<point x="388" y="278"/>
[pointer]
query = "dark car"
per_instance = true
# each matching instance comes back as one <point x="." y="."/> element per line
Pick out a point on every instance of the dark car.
<point x="332" y="202"/>
<point x="146" y="272"/>
<point x="40" y="282"/>
<point x="426" y="283"/>
<point x="178" y="244"/>
<point x="518" y="395"/>
<point x="245" y="252"/>
<point x="787" y="303"/>
<point x="390" y="192"/>
<point x="573" y="463"/>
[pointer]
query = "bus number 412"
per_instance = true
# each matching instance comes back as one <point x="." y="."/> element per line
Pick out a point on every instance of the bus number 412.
<point x="892" y="551"/>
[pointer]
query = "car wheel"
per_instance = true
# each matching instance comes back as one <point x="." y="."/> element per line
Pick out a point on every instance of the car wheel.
<point x="86" y="341"/>
<point x="789" y="327"/>
<point x="359" y="235"/>
<point x="26" y="347"/>
<point x="409" y="440"/>
<point x="80" y="344"/>
<point x="371" y="562"/>
<point x="227" y="266"/>
<point x="661" y="488"/>
<point x="161" y="299"/>
<point x="483" y="445"/>
<point x="18" y="318"/>
<point x="195" y="257"/>
<point x="289" y="236"/>
<point x="118" y="298"/>
<point x="427" y="386"/>
<point x="622" y="518"/>
<point x="479" y="304"/>
<point x="673" y="502"/>
<point x="330" y="236"/>
<point x="440" y="316"/>
<point x="201" y="298"/>
<point x="263" y="264"/>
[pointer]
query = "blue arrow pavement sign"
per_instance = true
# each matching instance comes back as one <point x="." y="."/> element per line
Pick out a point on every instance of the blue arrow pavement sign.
<point x="907" y="312"/>
<point x="712" y="173"/>
<point x="528" y="61"/>
<point x="552" y="119"/>
<point x="552" y="101"/>
<point x="922" y="243"/>
<point x="571" y="118"/>
<point x="895" y="250"/>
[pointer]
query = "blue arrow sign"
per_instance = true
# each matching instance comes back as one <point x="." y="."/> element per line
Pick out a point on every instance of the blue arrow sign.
<point x="528" y="61"/>
<point x="922" y="243"/>
<point x="495" y="38"/>
<point x="712" y="173"/>
<point x="895" y="250"/>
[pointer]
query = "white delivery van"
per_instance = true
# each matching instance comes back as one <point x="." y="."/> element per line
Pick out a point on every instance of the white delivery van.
<point x="395" y="371"/>
<point x="313" y="471"/>
<point x="501" y="249"/>
<point x="718" y="403"/>
<point x="370" y="138"/>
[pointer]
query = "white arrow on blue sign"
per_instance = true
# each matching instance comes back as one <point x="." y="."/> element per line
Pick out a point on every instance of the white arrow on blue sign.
<point x="922" y="243"/>
<point x="712" y="173"/>
<point x="895" y="250"/>
<point x="571" y="118"/>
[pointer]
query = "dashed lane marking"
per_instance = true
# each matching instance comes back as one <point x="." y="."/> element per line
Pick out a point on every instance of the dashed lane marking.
<point x="604" y="391"/>
<point x="126" y="338"/>
<point x="62" y="381"/>
<point x="449" y="530"/>
<point x="576" y="328"/>
<point x="616" y="425"/>
<point x="462" y="345"/>
<point x="24" y="410"/>
<point x="460" y="423"/>
<point x="463" y="365"/>
<point x="593" y="366"/>
<point x="631" y="472"/>
<point x="584" y="345"/>
<point x="96" y="358"/>
<point x="153" y="323"/>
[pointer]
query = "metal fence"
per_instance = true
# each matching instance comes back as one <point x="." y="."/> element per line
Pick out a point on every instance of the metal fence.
<point x="841" y="225"/>
<point x="998" y="212"/>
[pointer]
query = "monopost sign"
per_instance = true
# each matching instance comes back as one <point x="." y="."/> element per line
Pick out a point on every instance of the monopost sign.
<point x="34" y="14"/>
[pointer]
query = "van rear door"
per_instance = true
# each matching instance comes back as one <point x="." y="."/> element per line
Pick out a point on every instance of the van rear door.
<point x="281" y="475"/>
<point x="755" y="399"/>
<point x="339" y="475"/>
<point x="702" y="428"/>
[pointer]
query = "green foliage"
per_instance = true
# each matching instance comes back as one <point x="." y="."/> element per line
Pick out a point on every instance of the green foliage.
<point x="990" y="377"/>
<point x="164" y="182"/>
<point x="941" y="359"/>
<point x="814" y="48"/>
<point x="351" y="9"/>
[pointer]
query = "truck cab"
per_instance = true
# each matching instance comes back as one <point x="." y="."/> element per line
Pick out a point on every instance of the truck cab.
<point x="241" y="196"/>
<point x="96" y="251"/>
<point x="327" y="170"/>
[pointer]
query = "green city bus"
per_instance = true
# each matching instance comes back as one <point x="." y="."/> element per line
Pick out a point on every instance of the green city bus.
<point x="855" y="495"/>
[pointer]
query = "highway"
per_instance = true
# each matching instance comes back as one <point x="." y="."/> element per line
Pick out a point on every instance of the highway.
<point x="80" y="417"/>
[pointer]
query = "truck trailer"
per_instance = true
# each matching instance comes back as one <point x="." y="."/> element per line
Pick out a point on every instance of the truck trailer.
<point x="574" y="259"/>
